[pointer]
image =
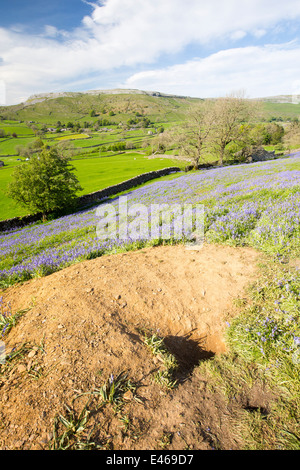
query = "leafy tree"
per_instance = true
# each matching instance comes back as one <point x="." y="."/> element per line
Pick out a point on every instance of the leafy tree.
<point x="132" y="122"/>
<point x="118" y="146"/>
<point x="66" y="149"/>
<point x="256" y="134"/>
<point x="45" y="183"/>
<point x="104" y="122"/>
<point x="145" y="122"/>
<point x="275" y="133"/>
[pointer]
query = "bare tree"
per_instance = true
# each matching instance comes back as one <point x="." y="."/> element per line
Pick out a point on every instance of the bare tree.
<point x="163" y="141"/>
<point x="67" y="149"/>
<point x="194" y="136"/>
<point x="213" y="124"/>
<point x="229" y="114"/>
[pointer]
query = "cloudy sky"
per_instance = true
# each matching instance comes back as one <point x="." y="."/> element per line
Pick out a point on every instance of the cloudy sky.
<point x="200" y="48"/>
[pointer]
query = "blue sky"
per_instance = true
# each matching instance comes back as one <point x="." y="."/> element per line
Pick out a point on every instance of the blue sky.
<point x="32" y="15"/>
<point x="196" y="48"/>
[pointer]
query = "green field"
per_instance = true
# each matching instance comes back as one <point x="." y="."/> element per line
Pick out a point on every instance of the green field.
<point x="22" y="130"/>
<point x="108" y="171"/>
<point x="282" y="110"/>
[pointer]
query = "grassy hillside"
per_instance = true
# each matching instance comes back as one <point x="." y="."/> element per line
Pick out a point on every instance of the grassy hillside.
<point x="98" y="166"/>
<point x="79" y="106"/>
<point x="281" y="110"/>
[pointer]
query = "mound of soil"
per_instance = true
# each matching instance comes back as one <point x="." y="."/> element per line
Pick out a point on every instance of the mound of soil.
<point x="86" y="324"/>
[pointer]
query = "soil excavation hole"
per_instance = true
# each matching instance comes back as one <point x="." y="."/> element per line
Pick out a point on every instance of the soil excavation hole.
<point x="188" y="353"/>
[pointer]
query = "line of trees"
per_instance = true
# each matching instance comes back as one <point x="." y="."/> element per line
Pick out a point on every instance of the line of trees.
<point x="139" y="121"/>
<point x="213" y="125"/>
<point x="218" y="129"/>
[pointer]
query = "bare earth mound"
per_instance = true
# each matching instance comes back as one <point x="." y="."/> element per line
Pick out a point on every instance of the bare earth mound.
<point x="86" y="323"/>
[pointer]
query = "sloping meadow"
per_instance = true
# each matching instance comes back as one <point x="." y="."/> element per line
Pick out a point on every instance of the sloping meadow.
<point x="255" y="205"/>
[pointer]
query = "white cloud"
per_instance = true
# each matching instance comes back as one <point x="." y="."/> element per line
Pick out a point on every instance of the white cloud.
<point x="50" y="31"/>
<point x="259" y="33"/>
<point x="238" y="35"/>
<point x="261" y="71"/>
<point x="127" y="33"/>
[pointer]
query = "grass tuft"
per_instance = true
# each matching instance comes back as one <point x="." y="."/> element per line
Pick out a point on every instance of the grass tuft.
<point x="164" y="377"/>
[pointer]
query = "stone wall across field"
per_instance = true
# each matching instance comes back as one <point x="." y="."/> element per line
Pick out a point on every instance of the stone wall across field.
<point x="125" y="185"/>
<point x="91" y="198"/>
<point x="19" y="222"/>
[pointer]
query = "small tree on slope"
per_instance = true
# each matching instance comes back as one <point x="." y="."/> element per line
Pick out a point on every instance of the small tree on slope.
<point x="45" y="183"/>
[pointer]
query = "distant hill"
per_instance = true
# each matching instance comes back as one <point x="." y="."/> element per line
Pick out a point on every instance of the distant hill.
<point x="120" y="104"/>
<point x="118" y="91"/>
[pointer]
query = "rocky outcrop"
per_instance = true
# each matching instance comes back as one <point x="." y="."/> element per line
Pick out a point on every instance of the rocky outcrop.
<point x="254" y="154"/>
